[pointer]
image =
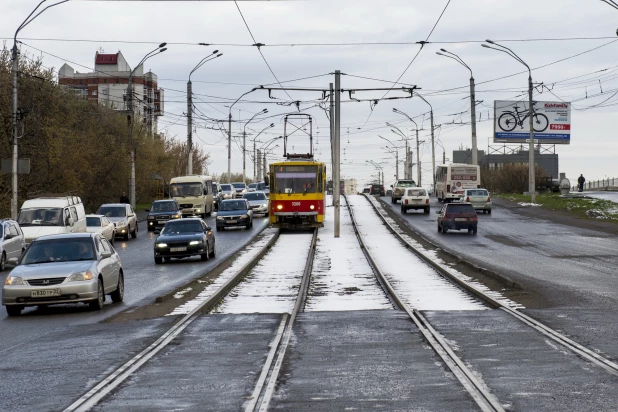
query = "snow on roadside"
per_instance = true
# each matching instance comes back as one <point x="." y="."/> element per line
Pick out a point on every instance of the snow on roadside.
<point x="433" y="256"/>
<point x="415" y="281"/>
<point x="245" y="256"/>
<point x="272" y="286"/>
<point x="529" y="204"/>
<point x="342" y="278"/>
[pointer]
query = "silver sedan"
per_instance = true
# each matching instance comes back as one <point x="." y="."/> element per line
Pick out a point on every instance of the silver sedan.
<point x="76" y="267"/>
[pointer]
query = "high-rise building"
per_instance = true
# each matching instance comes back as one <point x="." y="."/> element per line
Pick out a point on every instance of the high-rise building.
<point x="108" y="84"/>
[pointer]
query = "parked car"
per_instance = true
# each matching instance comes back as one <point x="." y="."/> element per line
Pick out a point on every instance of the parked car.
<point x="234" y="213"/>
<point x="389" y="192"/>
<point x="258" y="202"/>
<point x="479" y="198"/>
<point x="121" y="215"/>
<point x="228" y="191"/>
<point x="400" y="187"/>
<point x="252" y="187"/>
<point x="367" y="190"/>
<point x="415" y="198"/>
<point x="162" y="211"/>
<point x="240" y="188"/>
<point x="184" y="238"/>
<point x="12" y="241"/>
<point x="217" y="194"/>
<point x="101" y="225"/>
<point x="457" y="216"/>
<point x="67" y="268"/>
<point x="377" y="189"/>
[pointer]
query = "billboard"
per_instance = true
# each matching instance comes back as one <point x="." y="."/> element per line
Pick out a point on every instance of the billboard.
<point x="551" y="122"/>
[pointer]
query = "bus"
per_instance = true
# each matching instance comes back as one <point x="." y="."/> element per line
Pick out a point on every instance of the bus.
<point x="194" y="194"/>
<point x="453" y="179"/>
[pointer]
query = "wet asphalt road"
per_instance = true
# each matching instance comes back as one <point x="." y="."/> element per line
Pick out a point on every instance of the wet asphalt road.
<point x="571" y="267"/>
<point x="143" y="283"/>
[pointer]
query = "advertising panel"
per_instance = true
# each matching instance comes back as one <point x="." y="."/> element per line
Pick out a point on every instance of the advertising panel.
<point x="551" y="122"/>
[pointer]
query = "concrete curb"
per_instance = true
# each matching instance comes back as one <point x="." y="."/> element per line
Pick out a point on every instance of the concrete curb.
<point x="505" y="280"/>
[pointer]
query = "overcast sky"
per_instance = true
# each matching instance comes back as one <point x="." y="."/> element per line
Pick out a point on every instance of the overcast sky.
<point x="288" y="27"/>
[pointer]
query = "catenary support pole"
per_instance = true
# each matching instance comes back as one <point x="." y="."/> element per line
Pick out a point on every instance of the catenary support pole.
<point x="433" y="153"/>
<point x="418" y="160"/>
<point x="229" y="148"/>
<point x="14" y="69"/>
<point x="189" y="129"/>
<point x="332" y="136"/>
<point x="475" y="159"/>
<point x="531" y="166"/>
<point x="337" y="164"/>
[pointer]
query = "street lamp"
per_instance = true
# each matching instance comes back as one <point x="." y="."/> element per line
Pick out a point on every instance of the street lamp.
<point x="433" y="144"/>
<point x="450" y="55"/>
<point x="244" y="138"/>
<point x="254" y="154"/>
<point x="531" y="176"/>
<point x="263" y="148"/>
<point x="396" y="153"/>
<point x="380" y="169"/>
<point x="160" y="49"/>
<point x="229" y="136"/>
<point x="190" y="109"/>
<point x="418" y="158"/>
<point x="14" y="71"/>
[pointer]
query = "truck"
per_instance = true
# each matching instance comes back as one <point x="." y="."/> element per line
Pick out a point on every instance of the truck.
<point x="194" y="194"/>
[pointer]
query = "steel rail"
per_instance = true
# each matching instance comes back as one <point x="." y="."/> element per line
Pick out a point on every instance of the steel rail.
<point x="260" y="401"/>
<point x="554" y="335"/>
<point x="114" y="379"/>
<point x="476" y="388"/>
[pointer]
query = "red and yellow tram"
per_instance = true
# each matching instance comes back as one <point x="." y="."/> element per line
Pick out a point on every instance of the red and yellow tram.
<point x="297" y="193"/>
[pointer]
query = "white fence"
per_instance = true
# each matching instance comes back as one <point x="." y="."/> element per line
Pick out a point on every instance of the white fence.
<point x="603" y="184"/>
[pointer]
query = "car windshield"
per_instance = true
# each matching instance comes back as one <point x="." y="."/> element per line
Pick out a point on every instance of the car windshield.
<point x="178" y="227"/>
<point x="226" y="188"/>
<point x="112" y="211"/>
<point x="417" y="192"/>
<point x="163" y="207"/>
<point x="239" y="185"/>
<point x="45" y="216"/>
<point x="59" y="250"/>
<point x="366" y="190"/>
<point x="406" y="183"/>
<point x="186" y="189"/>
<point x="253" y="185"/>
<point x="93" y="221"/>
<point x="255" y="196"/>
<point x="453" y="208"/>
<point x="233" y="205"/>
<point x="296" y="179"/>
<point x="477" y="192"/>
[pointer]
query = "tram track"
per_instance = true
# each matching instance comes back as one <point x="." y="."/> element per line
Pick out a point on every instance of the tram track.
<point x="444" y="270"/>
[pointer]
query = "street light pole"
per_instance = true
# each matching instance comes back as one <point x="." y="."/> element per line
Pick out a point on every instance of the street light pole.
<point x="433" y="143"/>
<point x="190" y="110"/>
<point x="254" y="153"/>
<point x="531" y="165"/>
<point x="229" y="137"/>
<point x="458" y="59"/>
<point x="394" y="149"/>
<point x="418" y="158"/>
<point x="14" y="75"/>
<point x="244" y="143"/>
<point x="160" y="49"/>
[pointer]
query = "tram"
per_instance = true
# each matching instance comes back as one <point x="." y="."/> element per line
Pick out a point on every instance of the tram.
<point x="297" y="186"/>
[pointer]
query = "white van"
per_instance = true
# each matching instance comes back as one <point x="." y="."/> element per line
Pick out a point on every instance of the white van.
<point x="194" y="194"/>
<point x="51" y="216"/>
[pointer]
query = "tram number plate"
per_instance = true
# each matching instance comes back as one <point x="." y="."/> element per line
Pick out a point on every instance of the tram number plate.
<point x="44" y="293"/>
<point x="295" y="203"/>
<point x="460" y="219"/>
<point x="178" y="249"/>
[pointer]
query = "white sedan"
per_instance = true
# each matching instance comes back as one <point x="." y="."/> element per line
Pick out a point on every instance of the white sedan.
<point x="415" y="198"/>
<point x="102" y="225"/>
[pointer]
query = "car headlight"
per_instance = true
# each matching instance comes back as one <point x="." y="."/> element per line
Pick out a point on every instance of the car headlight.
<point x="176" y="216"/>
<point x="151" y="217"/>
<point x="219" y="217"/>
<point x="14" y="280"/>
<point x="79" y="276"/>
<point x="161" y="244"/>
<point x="195" y="242"/>
<point x="244" y="216"/>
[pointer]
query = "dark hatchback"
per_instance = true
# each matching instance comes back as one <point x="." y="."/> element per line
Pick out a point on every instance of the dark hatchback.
<point x="162" y="211"/>
<point x="183" y="238"/>
<point x="457" y="216"/>
<point x="377" y="190"/>
<point x="233" y="213"/>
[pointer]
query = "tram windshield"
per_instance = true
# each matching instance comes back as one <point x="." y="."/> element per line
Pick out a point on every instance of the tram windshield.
<point x="296" y="179"/>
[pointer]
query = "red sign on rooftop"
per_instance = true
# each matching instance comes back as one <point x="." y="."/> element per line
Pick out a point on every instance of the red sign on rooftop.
<point x="107" y="59"/>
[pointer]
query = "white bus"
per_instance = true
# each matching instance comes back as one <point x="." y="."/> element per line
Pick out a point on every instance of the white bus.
<point x="453" y="179"/>
<point x="194" y="194"/>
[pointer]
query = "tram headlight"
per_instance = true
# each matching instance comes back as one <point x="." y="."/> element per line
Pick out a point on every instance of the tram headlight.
<point x="279" y="207"/>
<point x="312" y="207"/>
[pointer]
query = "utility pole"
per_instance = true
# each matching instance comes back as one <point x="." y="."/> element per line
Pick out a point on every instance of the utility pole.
<point x="259" y="164"/>
<point x="14" y="69"/>
<point x="433" y="153"/>
<point x="189" y="128"/>
<point x="475" y="158"/>
<point x="531" y="168"/>
<point x="336" y="160"/>
<point x="397" y="165"/>
<point x="418" y="160"/>
<point x="229" y="147"/>
<point x="406" y="175"/>
<point x="332" y="136"/>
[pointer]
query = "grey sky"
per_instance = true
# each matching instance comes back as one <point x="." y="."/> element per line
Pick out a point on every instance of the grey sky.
<point x="593" y="148"/>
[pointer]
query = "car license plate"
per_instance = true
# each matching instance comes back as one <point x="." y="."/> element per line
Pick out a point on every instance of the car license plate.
<point x="460" y="219"/>
<point x="44" y="293"/>
<point x="162" y="222"/>
<point x="416" y="200"/>
<point x="178" y="249"/>
<point x="231" y="221"/>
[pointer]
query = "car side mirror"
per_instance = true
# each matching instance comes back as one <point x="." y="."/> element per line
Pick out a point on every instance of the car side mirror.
<point x="70" y="221"/>
<point x="105" y="255"/>
<point x="156" y="232"/>
<point x="131" y="215"/>
<point x="208" y="229"/>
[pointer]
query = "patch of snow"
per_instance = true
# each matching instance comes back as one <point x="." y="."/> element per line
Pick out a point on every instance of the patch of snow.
<point x="528" y="204"/>
<point x="342" y="278"/>
<point x="244" y="257"/>
<point x="182" y="293"/>
<point x="272" y="286"/>
<point x="415" y="281"/>
<point x="433" y="256"/>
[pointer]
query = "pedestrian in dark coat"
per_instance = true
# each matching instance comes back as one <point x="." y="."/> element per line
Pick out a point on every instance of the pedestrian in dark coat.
<point x="124" y="198"/>
<point x="581" y="180"/>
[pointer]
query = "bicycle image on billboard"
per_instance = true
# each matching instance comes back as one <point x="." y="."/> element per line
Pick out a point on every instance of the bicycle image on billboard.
<point x="551" y="122"/>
